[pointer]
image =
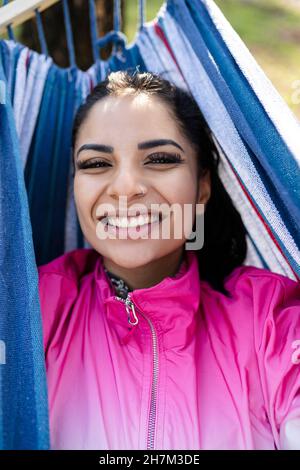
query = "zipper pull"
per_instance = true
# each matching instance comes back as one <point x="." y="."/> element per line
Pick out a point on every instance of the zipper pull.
<point x="130" y="308"/>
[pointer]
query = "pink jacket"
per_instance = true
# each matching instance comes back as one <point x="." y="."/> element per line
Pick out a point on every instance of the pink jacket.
<point x="177" y="366"/>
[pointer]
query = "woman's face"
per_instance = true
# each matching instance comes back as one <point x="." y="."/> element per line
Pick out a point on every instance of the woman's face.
<point x="127" y="126"/>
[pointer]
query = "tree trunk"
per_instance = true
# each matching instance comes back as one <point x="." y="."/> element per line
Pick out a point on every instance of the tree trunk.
<point x="53" y="22"/>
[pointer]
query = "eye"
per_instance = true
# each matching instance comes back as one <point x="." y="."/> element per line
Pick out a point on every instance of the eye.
<point x="165" y="158"/>
<point x="82" y="165"/>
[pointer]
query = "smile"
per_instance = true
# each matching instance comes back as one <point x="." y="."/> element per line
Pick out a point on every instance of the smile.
<point x="132" y="222"/>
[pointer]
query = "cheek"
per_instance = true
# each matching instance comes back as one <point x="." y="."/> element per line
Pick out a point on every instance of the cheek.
<point x="180" y="188"/>
<point x="85" y="192"/>
<point x="181" y="193"/>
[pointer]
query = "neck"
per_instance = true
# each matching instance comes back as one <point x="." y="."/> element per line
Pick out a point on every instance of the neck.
<point x="149" y="274"/>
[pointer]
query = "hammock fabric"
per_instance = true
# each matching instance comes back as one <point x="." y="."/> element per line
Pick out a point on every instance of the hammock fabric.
<point x="191" y="44"/>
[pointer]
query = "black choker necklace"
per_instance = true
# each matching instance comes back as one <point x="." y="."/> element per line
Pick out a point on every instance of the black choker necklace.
<point x="120" y="286"/>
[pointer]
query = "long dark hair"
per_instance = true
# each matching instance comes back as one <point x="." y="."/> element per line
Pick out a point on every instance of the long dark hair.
<point x="225" y="245"/>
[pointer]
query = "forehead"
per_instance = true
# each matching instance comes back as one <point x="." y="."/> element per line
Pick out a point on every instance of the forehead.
<point x="134" y="117"/>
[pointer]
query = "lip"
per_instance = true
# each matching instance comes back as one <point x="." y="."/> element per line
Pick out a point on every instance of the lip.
<point x="132" y="232"/>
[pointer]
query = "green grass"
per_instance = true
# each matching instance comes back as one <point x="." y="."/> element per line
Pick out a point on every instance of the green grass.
<point x="265" y="22"/>
<point x="131" y="15"/>
<point x="271" y="31"/>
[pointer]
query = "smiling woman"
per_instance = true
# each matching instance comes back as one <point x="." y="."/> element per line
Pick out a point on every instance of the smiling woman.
<point x="149" y="344"/>
<point x="140" y="113"/>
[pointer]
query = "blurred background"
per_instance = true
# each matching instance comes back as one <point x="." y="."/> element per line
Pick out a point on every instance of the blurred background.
<point x="269" y="28"/>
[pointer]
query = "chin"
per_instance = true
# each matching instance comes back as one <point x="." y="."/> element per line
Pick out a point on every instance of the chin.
<point x="130" y="254"/>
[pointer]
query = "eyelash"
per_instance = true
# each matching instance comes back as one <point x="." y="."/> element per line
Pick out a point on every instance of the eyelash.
<point x="166" y="157"/>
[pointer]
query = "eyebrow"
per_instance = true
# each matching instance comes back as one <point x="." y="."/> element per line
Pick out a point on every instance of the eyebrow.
<point x="141" y="146"/>
<point x="157" y="142"/>
<point x="97" y="147"/>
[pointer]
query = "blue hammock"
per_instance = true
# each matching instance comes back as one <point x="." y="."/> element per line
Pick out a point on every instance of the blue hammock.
<point x="191" y="44"/>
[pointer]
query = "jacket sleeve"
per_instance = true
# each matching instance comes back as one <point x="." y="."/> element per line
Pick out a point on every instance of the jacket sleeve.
<point x="277" y="338"/>
<point x="57" y="293"/>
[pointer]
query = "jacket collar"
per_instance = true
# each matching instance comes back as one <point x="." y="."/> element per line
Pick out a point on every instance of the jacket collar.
<point x="171" y="306"/>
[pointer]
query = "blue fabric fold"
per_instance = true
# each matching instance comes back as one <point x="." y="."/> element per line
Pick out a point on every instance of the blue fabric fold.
<point x="23" y="389"/>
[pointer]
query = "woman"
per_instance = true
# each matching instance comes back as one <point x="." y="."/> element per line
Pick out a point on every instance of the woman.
<point x="148" y="344"/>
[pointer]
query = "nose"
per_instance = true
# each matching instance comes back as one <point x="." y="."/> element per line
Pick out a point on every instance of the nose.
<point x="126" y="182"/>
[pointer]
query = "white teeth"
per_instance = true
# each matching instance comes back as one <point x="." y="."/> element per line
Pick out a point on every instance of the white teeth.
<point x="125" y="222"/>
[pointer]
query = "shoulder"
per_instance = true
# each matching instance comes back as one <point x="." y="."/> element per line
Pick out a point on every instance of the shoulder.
<point x="72" y="265"/>
<point x="257" y="282"/>
<point x="268" y="292"/>
<point x="247" y="283"/>
<point x="273" y="302"/>
<point x="59" y="286"/>
<point x="245" y="272"/>
<point x="260" y="301"/>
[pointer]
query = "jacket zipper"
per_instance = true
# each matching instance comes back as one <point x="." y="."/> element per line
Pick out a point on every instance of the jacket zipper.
<point x="130" y="308"/>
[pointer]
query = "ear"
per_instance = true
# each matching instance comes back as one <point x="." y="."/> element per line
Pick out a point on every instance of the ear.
<point x="204" y="188"/>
